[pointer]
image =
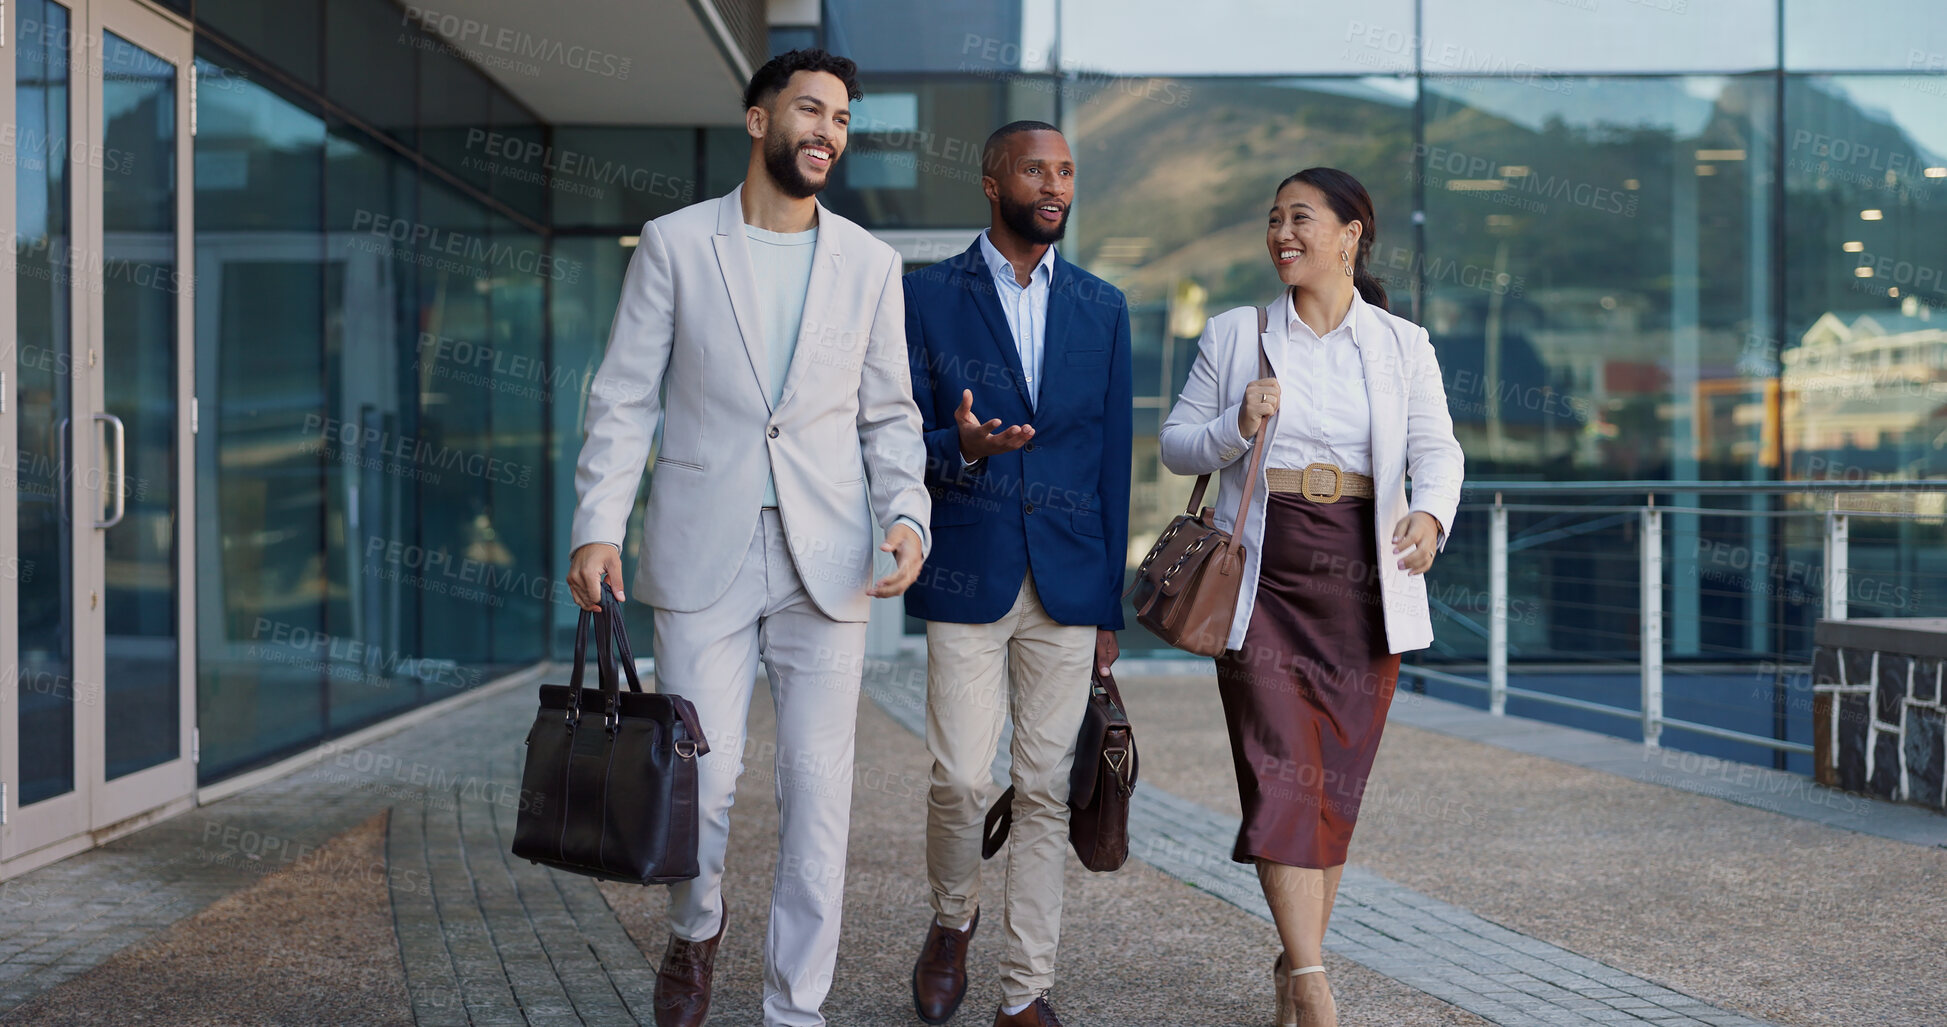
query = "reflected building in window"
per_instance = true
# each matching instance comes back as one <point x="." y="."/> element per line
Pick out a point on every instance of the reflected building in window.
<point x="1866" y="396"/>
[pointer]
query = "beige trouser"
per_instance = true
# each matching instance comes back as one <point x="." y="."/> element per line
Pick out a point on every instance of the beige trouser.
<point x="1038" y="670"/>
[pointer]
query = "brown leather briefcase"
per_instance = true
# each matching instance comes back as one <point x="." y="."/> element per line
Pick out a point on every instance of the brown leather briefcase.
<point x="1099" y="785"/>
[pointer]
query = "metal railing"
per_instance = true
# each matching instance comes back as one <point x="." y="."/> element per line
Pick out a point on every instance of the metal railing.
<point x="1820" y="500"/>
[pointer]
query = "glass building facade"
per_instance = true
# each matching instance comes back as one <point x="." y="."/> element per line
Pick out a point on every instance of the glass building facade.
<point x="371" y="368"/>
<point x="1654" y="240"/>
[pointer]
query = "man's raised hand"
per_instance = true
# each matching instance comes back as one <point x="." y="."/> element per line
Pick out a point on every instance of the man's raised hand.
<point x="978" y="440"/>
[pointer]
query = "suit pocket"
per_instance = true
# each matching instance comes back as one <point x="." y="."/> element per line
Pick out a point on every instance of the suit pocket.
<point x="951" y="509"/>
<point x="1088" y="357"/>
<point x="666" y="461"/>
<point x="847" y="461"/>
<point x="1088" y="522"/>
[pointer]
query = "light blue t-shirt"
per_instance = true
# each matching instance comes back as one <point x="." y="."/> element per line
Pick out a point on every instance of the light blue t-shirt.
<point x="781" y="265"/>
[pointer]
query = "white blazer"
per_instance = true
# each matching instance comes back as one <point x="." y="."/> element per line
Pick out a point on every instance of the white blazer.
<point x="1412" y="434"/>
<point x="687" y="355"/>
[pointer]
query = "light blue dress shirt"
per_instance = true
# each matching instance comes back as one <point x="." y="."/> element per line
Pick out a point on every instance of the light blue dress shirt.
<point x="1026" y="307"/>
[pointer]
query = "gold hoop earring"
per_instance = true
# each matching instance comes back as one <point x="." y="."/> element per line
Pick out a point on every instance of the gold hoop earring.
<point x="1346" y="264"/>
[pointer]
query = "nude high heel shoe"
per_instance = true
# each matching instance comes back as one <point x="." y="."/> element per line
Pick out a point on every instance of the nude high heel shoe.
<point x="1286" y="983"/>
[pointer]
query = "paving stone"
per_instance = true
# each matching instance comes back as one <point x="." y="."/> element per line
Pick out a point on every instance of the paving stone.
<point x="1413" y="938"/>
<point x="488" y="939"/>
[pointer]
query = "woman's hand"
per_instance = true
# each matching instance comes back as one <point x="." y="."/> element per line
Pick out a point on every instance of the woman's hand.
<point x="1260" y="402"/>
<point x="1419" y="532"/>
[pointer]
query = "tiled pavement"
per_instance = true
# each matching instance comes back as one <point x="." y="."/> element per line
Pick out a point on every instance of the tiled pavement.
<point x="1498" y="974"/>
<point x="489" y="939"/>
<point x="60" y="920"/>
<point x="499" y="940"/>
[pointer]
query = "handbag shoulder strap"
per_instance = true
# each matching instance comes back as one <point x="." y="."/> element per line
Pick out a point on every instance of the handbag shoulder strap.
<point x="1257" y="443"/>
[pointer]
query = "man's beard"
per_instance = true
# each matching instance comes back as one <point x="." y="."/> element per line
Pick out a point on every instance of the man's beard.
<point x="781" y="160"/>
<point x="1026" y="222"/>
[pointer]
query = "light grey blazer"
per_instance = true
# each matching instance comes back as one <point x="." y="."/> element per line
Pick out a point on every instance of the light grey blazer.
<point x="1412" y="433"/>
<point x="686" y="357"/>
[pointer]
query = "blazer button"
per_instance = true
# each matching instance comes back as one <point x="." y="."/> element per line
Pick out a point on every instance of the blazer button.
<point x="773" y="432"/>
<point x="1030" y="447"/>
<point x="1030" y="507"/>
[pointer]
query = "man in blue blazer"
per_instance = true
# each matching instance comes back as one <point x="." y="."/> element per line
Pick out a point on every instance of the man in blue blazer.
<point x="1031" y="528"/>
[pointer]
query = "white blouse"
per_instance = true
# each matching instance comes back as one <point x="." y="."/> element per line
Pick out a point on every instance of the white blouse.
<point x="1411" y="436"/>
<point x="1324" y="415"/>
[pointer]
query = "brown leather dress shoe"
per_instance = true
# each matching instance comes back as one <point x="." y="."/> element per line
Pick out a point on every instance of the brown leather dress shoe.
<point x="1038" y="1014"/>
<point x="940" y="975"/>
<point x="683" y="983"/>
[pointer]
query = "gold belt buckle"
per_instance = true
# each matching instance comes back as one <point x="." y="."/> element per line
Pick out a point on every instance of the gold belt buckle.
<point x="1305" y="483"/>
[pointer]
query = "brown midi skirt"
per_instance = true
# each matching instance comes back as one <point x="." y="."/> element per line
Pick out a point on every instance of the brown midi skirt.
<point x="1306" y="697"/>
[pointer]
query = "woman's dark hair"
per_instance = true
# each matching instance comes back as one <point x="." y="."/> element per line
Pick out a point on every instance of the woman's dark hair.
<point x="1350" y="201"/>
<point x="776" y="74"/>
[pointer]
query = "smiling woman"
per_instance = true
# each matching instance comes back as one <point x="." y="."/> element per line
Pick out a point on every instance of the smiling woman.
<point x="1313" y="652"/>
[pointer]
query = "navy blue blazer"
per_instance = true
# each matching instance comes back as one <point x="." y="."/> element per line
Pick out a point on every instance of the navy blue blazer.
<point x="1058" y="506"/>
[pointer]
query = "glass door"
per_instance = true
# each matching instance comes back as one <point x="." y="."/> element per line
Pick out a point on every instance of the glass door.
<point x="96" y="718"/>
<point x="142" y="727"/>
<point x="40" y="728"/>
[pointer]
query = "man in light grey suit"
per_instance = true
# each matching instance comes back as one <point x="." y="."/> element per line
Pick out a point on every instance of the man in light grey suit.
<point x="764" y="337"/>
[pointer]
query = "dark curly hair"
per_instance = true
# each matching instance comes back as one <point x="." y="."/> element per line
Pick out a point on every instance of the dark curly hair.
<point x="776" y="73"/>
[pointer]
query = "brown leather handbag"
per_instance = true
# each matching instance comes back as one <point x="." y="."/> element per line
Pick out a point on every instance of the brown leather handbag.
<point x="1187" y="588"/>
<point x="1099" y="785"/>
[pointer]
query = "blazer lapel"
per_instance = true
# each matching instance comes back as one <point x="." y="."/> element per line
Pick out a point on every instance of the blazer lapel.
<point x="827" y="263"/>
<point x="1379" y="358"/>
<point x="1054" y="327"/>
<point x="986" y="297"/>
<point x="733" y="260"/>
<point x="1277" y="339"/>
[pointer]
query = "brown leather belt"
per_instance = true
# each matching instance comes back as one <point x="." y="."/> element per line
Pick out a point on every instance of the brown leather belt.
<point x="1320" y="483"/>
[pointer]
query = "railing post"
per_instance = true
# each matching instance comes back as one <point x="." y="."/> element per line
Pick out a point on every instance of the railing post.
<point x="1838" y="582"/>
<point x="1651" y="577"/>
<point x="1497" y="605"/>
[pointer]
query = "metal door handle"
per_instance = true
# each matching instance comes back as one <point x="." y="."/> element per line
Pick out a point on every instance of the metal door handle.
<point x="117" y="480"/>
<point x="61" y="479"/>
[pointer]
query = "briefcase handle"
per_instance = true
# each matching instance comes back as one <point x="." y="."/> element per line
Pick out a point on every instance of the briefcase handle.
<point x="612" y="614"/>
<point x="1104" y="683"/>
<point x="611" y="644"/>
<point x="609" y="632"/>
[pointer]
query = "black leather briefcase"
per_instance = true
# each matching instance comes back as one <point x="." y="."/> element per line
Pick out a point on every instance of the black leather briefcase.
<point x="609" y="789"/>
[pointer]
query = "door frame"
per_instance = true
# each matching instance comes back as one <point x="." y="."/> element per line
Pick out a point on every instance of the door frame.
<point x="97" y="809"/>
<point x="167" y="787"/>
<point x="53" y="827"/>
